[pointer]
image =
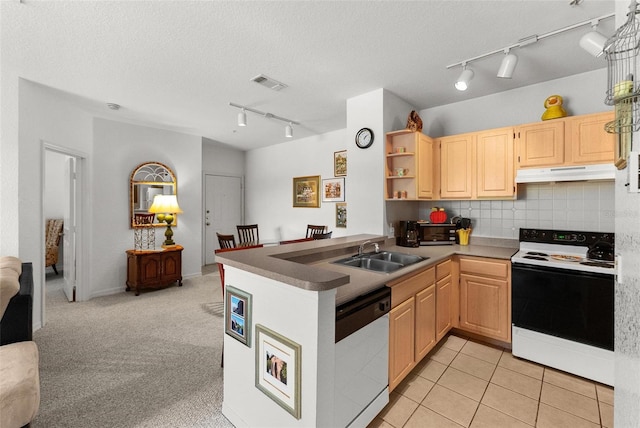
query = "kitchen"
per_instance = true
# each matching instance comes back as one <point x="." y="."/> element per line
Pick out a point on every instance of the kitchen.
<point x="516" y="106"/>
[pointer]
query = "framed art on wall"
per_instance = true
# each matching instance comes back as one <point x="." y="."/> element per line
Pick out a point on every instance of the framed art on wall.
<point x="340" y="163"/>
<point x="278" y="369"/>
<point x="238" y="314"/>
<point x="341" y="215"/>
<point x="306" y="191"/>
<point x="333" y="189"/>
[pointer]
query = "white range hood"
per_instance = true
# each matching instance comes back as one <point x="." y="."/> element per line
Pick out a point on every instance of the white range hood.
<point x="567" y="173"/>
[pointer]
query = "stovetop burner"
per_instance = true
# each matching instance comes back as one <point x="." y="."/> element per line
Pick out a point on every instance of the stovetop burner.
<point x="533" y="257"/>
<point x="533" y="253"/>
<point x="609" y="265"/>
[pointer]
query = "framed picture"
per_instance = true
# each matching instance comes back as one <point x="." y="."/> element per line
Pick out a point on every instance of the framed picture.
<point x="340" y="163"/>
<point x="278" y="369"/>
<point x="341" y="215"/>
<point x="306" y="191"/>
<point x="333" y="190"/>
<point x="238" y="314"/>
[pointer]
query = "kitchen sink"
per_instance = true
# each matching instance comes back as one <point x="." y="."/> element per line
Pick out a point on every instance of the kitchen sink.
<point x="384" y="261"/>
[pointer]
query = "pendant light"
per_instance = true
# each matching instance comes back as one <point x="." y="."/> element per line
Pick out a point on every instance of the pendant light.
<point x="507" y="65"/>
<point x="465" y="77"/>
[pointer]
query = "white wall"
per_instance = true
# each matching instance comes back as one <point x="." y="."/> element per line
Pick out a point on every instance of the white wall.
<point x="219" y="158"/>
<point x="119" y="149"/>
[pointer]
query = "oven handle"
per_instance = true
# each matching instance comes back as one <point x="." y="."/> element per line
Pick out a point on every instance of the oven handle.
<point x="536" y="268"/>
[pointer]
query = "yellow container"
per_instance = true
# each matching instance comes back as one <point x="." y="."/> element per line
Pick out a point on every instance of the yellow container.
<point x="463" y="235"/>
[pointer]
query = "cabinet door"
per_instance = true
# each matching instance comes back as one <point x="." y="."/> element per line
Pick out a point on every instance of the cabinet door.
<point x="541" y="144"/>
<point x="425" y="321"/>
<point x="401" y="341"/>
<point x="171" y="266"/>
<point x="590" y="143"/>
<point x="150" y="268"/>
<point x="494" y="150"/>
<point x="443" y="307"/>
<point x="456" y="166"/>
<point x="425" y="167"/>
<point x="484" y="306"/>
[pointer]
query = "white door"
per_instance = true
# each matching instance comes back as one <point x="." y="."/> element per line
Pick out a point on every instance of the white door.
<point x="69" y="230"/>
<point x="222" y="210"/>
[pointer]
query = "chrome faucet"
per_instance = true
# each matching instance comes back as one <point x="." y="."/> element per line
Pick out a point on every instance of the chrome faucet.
<point x="361" y="248"/>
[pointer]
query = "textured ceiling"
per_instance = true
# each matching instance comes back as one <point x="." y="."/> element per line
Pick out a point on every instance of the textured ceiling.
<point x="178" y="64"/>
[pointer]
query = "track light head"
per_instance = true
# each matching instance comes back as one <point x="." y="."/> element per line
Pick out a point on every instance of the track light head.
<point x="507" y="65"/>
<point x="288" y="131"/>
<point x="242" y="118"/>
<point x="593" y="42"/>
<point x="465" y="77"/>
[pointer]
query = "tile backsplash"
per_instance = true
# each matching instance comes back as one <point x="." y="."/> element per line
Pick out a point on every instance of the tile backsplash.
<point x="578" y="205"/>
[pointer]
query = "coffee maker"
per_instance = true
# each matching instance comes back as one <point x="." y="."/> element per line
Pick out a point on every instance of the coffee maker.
<point x="407" y="235"/>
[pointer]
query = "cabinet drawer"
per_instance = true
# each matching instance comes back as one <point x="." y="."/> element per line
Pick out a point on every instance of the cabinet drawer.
<point x="483" y="266"/>
<point x="443" y="269"/>
<point x="406" y="288"/>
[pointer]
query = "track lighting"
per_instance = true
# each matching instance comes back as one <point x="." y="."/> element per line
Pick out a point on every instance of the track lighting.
<point x="507" y="65"/>
<point x="593" y="41"/>
<point x="242" y="118"/>
<point x="465" y="77"/>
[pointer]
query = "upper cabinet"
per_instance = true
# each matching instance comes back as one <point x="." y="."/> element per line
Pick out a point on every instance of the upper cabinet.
<point x="574" y="140"/>
<point x="456" y="166"/>
<point x="409" y="166"/>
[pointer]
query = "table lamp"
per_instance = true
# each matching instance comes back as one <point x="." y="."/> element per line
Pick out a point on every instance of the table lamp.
<point x="165" y="207"/>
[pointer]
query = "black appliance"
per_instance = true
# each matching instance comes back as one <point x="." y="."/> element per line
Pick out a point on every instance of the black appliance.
<point x="436" y="233"/>
<point x="562" y="287"/>
<point x="407" y="234"/>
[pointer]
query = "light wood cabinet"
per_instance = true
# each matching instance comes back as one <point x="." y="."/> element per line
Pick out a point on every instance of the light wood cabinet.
<point x="411" y="323"/>
<point x="573" y="140"/>
<point x="485" y="297"/>
<point x="413" y="152"/>
<point x="444" y="299"/>
<point x="456" y="166"/>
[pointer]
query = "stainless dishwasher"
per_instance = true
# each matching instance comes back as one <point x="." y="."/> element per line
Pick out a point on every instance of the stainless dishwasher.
<point x="362" y="358"/>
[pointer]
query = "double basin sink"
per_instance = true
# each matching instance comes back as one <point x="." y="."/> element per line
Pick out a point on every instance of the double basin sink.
<point x="383" y="261"/>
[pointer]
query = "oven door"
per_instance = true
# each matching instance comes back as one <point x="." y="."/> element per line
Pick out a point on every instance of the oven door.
<point x="572" y="305"/>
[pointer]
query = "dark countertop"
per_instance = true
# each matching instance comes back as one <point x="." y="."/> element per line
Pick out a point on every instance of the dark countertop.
<point x="308" y="265"/>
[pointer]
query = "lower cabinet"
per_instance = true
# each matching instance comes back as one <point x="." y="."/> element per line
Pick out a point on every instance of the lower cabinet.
<point x="154" y="269"/>
<point x="444" y="299"/>
<point x="485" y="297"/>
<point x="411" y="323"/>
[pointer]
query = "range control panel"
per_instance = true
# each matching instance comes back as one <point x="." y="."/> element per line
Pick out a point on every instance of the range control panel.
<point x="565" y="237"/>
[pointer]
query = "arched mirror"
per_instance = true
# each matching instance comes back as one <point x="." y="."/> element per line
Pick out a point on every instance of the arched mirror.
<point x="148" y="180"/>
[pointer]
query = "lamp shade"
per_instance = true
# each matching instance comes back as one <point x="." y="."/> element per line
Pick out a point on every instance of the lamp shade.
<point x="165" y="204"/>
<point x="463" y="81"/>
<point x="593" y="42"/>
<point x="507" y="66"/>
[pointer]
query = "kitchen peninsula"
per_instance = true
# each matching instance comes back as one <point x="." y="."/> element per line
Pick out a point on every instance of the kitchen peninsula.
<point x="294" y="292"/>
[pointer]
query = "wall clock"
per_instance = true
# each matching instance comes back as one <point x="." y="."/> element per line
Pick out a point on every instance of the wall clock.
<point x="364" y="138"/>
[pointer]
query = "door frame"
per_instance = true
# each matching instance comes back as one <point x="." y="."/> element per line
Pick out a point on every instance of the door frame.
<point x="204" y="203"/>
<point x="82" y="256"/>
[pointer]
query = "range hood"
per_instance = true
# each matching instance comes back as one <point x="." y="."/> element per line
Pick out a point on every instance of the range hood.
<point x="567" y="173"/>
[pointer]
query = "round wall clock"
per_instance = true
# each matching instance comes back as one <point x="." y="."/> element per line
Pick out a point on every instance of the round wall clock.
<point x="364" y="138"/>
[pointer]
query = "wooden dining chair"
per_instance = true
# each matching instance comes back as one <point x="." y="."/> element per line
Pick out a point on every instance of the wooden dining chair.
<point x="322" y="235"/>
<point x="248" y="233"/>
<point x="313" y="229"/>
<point x="226" y="241"/>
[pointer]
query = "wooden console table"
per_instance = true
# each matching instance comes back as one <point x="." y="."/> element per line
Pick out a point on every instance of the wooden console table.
<point x="154" y="269"/>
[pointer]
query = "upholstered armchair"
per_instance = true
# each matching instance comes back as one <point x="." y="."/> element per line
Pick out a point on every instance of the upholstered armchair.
<point x="53" y="233"/>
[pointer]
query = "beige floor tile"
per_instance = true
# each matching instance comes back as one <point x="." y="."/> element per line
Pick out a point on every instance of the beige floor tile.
<point x="414" y="387"/>
<point x="513" y="404"/>
<point x="517" y="382"/>
<point x="473" y="366"/>
<point x="430" y="369"/>
<point x="605" y="393"/>
<point x="426" y="418"/>
<point x="451" y="405"/>
<point x="486" y="417"/>
<point x="606" y="415"/>
<point x="571" y="402"/>
<point x="570" y="382"/>
<point x="550" y="417"/>
<point x="508" y="361"/>
<point x="482" y="352"/>
<point x="398" y="411"/>
<point x="463" y="383"/>
<point x="378" y="422"/>
<point x="454" y="343"/>
<point x="443" y="355"/>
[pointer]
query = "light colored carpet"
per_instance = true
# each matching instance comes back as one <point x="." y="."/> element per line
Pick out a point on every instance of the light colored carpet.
<point x="133" y="361"/>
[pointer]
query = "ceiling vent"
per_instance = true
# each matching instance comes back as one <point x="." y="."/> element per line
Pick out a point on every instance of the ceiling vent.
<point x="268" y="82"/>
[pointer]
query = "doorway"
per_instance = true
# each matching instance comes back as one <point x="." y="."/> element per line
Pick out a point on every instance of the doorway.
<point x="62" y="174"/>
<point x="223" y="210"/>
